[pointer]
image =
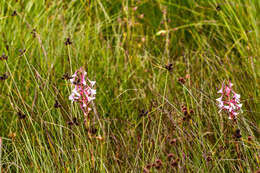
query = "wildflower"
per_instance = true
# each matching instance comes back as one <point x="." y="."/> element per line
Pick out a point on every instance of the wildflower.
<point x="135" y="8"/>
<point x="83" y="91"/>
<point x="143" y="39"/>
<point x="229" y="101"/>
<point x="161" y="33"/>
<point x="141" y="16"/>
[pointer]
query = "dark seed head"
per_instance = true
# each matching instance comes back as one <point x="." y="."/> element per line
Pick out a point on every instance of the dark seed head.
<point x="4" y="77"/>
<point x="143" y="113"/>
<point x="158" y="161"/>
<point x="7" y="47"/>
<point x="146" y="170"/>
<point x="76" y="82"/>
<point x="22" y="51"/>
<point x="66" y="76"/>
<point x="70" y="123"/>
<point x="148" y="166"/>
<point x="75" y="121"/>
<point x="34" y="32"/>
<point x="14" y="13"/>
<point x="68" y="41"/>
<point x="157" y="166"/>
<point x="169" y="67"/>
<point x="181" y="80"/>
<point x="92" y="130"/>
<point x="57" y="104"/>
<point x="238" y="134"/>
<point x="183" y="108"/>
<point x="218" y="8"/>
<point x="3" y="57"/>
<point x="175" y="163"/>
<point x="170" y="156"/>
<point x="209" y="159"/>
<point x="250" y="138"/>
<point x="173" y="141"/>
<point x="21" y="115"/>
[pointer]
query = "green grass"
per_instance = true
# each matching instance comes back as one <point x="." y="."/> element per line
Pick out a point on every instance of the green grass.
<point x="122" y="49"/>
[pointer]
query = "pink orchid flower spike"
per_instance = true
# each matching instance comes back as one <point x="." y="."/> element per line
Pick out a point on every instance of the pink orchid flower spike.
<point x="83" y="92"/>
<point x="229" y="101"/>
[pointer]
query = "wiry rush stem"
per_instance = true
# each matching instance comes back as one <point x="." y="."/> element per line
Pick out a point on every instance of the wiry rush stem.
<point x="0" y="154"/>
<point x="86" y="120"/>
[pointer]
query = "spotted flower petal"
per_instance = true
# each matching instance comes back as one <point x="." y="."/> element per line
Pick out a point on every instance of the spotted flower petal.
<point x="229" y="101"/>
<point x="82" y="92"/>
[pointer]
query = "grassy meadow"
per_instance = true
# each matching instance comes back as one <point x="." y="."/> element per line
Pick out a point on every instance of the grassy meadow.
<point x="158" y="65"/>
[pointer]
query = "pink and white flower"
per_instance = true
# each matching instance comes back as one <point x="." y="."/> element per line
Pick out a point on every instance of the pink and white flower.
<point x="83" y="91"/>
<point x="229" y="101"/>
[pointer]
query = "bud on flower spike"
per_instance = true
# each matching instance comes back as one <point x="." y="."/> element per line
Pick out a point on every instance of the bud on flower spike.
<point x="229" y="101"/>
<point x="83" y="91"/>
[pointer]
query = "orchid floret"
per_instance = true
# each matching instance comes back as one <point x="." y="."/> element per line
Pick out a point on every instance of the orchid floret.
<point x="83" y="91"/>
<point x="229" y="101"/>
